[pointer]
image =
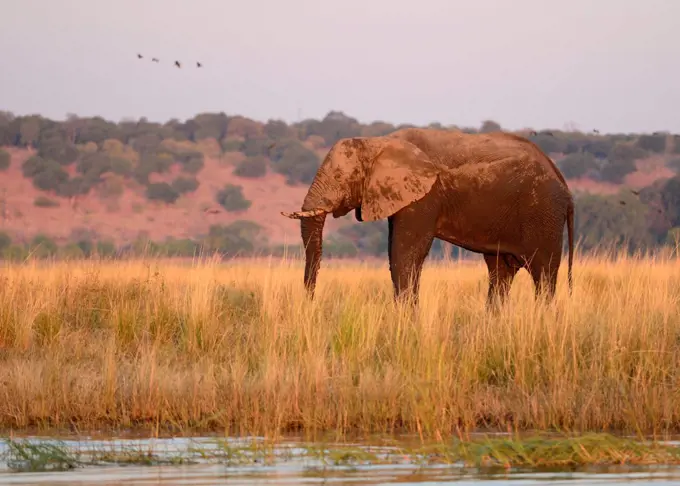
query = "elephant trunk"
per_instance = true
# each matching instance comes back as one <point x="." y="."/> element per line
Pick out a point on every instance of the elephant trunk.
<point x="312" y="237"/>
<point x="325" y="196"/>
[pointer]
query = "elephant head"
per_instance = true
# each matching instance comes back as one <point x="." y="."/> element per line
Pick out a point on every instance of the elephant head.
<point x="376" y="176"/>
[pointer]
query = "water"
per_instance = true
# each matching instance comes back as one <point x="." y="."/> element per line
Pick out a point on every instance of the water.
<point x="210" y="461"/>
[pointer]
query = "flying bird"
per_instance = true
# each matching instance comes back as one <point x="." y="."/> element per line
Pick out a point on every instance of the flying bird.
<point x="178" y="64"/>
<point x="212" y="211"/>
<point x="139" y="56"/>
<point x="595" y="130"/>
<point x="623" y="203"/>
<point x="637" y="193"/>
<point x="198" y="64"/>
<point x="155" y="59"/>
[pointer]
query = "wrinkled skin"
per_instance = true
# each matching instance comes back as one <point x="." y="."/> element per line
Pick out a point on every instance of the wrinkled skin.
<point x="496" y="194"/>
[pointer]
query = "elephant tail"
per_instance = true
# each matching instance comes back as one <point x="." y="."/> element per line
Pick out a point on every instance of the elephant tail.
<point x="570" y="236"/>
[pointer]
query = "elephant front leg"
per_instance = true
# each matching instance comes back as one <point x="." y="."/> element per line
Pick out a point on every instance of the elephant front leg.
<point x="410" y="240"/>
<point x="501" y="275"/>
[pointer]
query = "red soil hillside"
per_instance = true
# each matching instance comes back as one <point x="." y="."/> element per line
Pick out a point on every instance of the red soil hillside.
<point x="123" y="219"/>
<point x="648" y="170"/>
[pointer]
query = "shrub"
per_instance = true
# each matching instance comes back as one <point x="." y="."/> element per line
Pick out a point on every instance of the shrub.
<point x="600" y="148"/>
<point x="121" y="166"/>
<point x="36" y="164"/>
<point x="232" y="145"/>
<point x="239" y="237"/>
<point x="5" y="240"/>
<point x="231" y="198"/>
<point x="674" y="163"/>
<point x="338" y="247"/>
<point x="192" y="160"/>
<point x="376" y="129"/>
<point x="622" y="150"/>
<point x="185" y="184"/>
<point x="147" y="143"/>
<point x="43" y="246"/>
<point x="94" y="165"/>
<point x="653" y="143"/>
<point x="252" y="167"/>
<point x="152" y="163"/>
<point x="75" y="186"/>
<point x="184" y="247"/>
<point x="105" y="248"/>
<point x="14" y="253"/>
<point x="60" y="151"/>
<point x="45" y="202"/>
<point x="193" y="166"/>
<point x="489" y="126"/>
<point x="257" y="146"/>
<point x="50" y="179"/>
<point x="5" y="159"/>
<point x="548" y="143"/>
<point x="71" y="251"/>
<point x="277" y="150"/>
<point x="111" y="187"/>
<point x="298" y="164"/>
<point x="577" y="165"/>
<point x="621" y="162"/>
<point x="161" y="191"/>
<point x="275" y="129"/>
<point x="370" y="238"/>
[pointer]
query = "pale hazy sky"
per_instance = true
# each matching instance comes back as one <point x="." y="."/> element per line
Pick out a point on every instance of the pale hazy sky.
<point x="607" y="64"/>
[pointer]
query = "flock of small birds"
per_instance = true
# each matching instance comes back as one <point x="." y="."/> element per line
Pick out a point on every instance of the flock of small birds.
<point x="177" y="63"/>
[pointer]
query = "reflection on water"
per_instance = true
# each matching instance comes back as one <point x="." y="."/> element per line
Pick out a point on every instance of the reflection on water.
<point x="192" y="461"/>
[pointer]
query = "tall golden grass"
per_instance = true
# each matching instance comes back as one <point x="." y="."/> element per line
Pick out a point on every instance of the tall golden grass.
<point x="238" y="347"/>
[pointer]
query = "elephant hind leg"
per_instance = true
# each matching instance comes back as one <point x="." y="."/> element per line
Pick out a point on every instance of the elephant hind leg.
<point x="501" y="274"/>
<point x="543" y="268"/>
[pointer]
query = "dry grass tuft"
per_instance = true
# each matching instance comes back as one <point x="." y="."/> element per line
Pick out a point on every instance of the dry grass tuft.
<point x="238" y="346"/>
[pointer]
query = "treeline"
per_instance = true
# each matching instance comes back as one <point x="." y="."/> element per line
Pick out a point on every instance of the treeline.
<point x="109" y="156"/>
<point x="242" y="238"/>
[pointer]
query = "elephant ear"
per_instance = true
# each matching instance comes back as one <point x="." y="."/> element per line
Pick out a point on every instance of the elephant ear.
<point x="399" y="175"/>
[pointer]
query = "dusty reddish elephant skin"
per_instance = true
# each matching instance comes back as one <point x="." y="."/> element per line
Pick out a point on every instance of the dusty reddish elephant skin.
<point x="496" y="194"/>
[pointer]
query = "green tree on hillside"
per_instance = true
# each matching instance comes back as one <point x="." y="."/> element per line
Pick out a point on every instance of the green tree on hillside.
<point x="252" y="167"/>
<point x="334" y="126"/>
<point x="5" y="160"/>
<point x="162" y="191"/>
<point x="239" y="238"/>
<point x="185" y="184"/>
<point x="231" y="198"/>
<point x="277" y="129"/>
<point x="297" y="163"/>
<point x="652" y="143"/>
<point x="601" y="221"/>
<point x="489" y="126"/>
<point x="621" y="162"/>
<point x="5" y="241"/>
<point x="577" y="165"/>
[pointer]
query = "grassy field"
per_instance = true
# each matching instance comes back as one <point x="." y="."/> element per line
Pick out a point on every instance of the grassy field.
<point x="238" y="347"/>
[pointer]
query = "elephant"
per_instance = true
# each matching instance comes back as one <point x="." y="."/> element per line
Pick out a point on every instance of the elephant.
<point x="495" y="193"/>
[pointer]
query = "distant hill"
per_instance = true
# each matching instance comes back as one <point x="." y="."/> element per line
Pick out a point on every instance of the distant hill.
<point x="97" y="181"/>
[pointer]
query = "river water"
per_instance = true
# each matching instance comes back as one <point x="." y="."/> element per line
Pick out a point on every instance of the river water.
<point x="211" y="461"/>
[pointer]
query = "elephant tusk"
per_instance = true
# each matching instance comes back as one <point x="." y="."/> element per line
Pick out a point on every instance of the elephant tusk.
<point x="303" y="214"/>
